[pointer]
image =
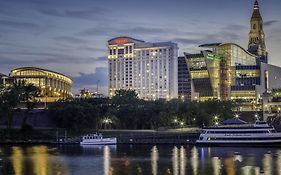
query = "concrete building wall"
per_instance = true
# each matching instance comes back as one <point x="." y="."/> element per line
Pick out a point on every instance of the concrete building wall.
<point x="270" y="76"/>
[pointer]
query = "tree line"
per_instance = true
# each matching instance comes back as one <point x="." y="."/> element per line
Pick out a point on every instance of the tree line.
<point x="126" y="111"/>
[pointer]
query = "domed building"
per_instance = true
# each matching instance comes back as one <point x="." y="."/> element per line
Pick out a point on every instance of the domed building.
<point x="53" y="85"/>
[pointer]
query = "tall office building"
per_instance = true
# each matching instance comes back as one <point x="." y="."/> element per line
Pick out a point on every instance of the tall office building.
<point x="256" y="36"/>
<point x="151" y="69"/>
<point x="184" y="82"/>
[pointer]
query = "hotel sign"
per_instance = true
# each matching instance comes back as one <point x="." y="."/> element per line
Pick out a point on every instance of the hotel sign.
<point x="121" y="41"/>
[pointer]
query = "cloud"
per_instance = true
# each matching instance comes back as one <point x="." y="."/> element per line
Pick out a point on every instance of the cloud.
<point x="99" y="76"/>
<point x="234" y="27"/>
<point x="187" y="41"/>
<point x="95" y="31"/>
<point x="91" y="13"/>
<point x="18" y="25"/>
<point x="70" y="39"/>
<point x="92" y="49"/>
<point x="144" y="30"/>
<point x="31" y="58"/>
<point x="270" y="23"/>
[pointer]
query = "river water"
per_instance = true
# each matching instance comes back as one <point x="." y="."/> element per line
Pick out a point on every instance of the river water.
<point x="137" y="160"/>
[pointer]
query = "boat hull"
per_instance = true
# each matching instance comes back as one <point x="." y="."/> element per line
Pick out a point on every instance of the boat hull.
<point x="112" y="141"/>
<point x="244" y="144"/>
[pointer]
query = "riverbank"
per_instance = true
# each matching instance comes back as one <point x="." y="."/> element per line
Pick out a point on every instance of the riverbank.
<point x="172" y="136"/>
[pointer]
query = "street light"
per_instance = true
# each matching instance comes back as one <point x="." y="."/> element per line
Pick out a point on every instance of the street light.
<point x="216" y="119"/>
<point x="181" y="124"/>
<point x="106" y="121"/>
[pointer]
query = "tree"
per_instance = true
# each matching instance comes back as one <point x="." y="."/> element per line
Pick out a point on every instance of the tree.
<point x="12" y="96"/>
<point x="29" y="92"/>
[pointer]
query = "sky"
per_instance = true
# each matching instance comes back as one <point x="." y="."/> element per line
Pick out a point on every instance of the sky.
<point x="70" y="36"/>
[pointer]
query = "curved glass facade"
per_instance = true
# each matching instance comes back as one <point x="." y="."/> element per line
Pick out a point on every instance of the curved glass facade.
<point x="53" y="85"/>
<point x="224" y="72"/>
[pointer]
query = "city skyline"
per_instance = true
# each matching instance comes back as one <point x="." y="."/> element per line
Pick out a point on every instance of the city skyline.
<point x="70" y="37"/>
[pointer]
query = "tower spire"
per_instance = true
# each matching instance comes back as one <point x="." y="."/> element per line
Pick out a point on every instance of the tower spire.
<point x="256" y="35"/>
<point x="256" y="4"/>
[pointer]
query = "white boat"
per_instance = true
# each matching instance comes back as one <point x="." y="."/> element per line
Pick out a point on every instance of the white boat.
<point x="97" y="139"/>
<point x="259" y="133"/>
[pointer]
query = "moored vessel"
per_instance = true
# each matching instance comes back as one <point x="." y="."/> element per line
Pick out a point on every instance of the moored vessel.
<point x="257" y="134"/>
<point x="97" y="139"/>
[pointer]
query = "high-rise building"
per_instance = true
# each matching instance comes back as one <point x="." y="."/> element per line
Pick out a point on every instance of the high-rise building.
<point x="184" y="82"/>
<point x="151" y="69"/>
<point x="256" y="36"/>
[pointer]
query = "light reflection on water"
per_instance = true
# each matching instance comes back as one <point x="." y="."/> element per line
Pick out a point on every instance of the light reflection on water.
<point x="137" y="160"/>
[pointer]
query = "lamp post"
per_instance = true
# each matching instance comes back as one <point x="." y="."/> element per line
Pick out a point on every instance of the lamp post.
<point x="175" y="122"/>
<point x="216" y="120"/>
<point x="181" y="124"/>
<point x="106" y="122"/>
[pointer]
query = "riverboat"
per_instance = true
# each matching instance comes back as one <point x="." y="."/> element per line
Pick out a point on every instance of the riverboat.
<point x="259" y="133"/>
<point x="97" y="139"/>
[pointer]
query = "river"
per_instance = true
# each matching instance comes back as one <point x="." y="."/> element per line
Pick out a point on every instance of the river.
<point x="138" y="159"/>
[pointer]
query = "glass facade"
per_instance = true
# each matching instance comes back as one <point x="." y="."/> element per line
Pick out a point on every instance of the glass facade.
<point x="227" y="71"/>
<point x="53" y="85"/>
<point x="184" y="82"/>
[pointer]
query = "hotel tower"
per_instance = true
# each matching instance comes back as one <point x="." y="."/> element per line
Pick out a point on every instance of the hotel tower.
<point x="148" y="68"/>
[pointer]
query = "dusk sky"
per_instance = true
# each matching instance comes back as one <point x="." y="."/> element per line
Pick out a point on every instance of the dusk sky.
<point x="70" y="36"/>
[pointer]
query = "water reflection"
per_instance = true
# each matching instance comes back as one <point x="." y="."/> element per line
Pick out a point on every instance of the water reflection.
<point x="216" y="162"/>
<point x="278" y="162"/>
<point x="175" y="161"/>
<point x="137" y="160"/>
<point x="230" y="165"/>
<point x="194" y="160"/>
<point x="182" y="160"/>
<point x="179" y="161"/>
<point x="36" y="160"/>
<point x="154" y="160"/>
<point x="106" y="160"/>
<point x="17" y="159"/>
<point x="267" y="164"/>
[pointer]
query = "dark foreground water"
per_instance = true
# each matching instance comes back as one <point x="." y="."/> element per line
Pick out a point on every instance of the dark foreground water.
<point x="134" y="160"/>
